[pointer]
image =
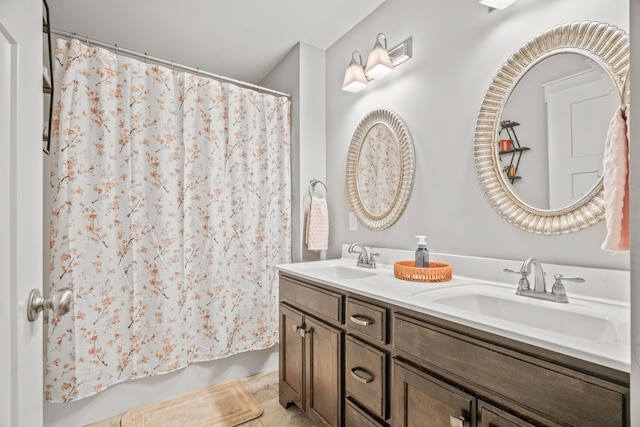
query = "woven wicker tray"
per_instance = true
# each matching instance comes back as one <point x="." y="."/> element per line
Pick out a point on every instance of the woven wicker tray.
<point x="436" y="272"/>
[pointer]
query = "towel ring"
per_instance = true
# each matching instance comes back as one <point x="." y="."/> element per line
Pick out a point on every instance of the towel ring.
<point x="312" y="186"/>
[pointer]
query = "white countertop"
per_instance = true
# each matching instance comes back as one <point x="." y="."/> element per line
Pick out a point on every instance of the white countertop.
<point x="613" y="352"/>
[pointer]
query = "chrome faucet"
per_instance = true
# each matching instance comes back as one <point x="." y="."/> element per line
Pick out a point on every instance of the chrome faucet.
<point x="558" y="292"/>
<point x="539" y="281"/>
<point x="365" y="259"/>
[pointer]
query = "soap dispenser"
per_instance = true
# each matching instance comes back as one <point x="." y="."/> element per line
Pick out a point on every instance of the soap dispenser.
<point x="422" y="253"/>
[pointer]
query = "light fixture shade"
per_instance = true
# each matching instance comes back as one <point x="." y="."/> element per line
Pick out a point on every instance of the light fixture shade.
<point x="378" y="64"/>
<point x="354" y="78"/>
<point x="497" y="4"/>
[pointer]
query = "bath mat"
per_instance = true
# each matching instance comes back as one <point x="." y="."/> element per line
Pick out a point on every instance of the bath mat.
<point x="221" y="405"/>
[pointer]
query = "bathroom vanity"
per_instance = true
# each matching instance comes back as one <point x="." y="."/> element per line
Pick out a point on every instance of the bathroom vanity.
<point x="361" y="348"/>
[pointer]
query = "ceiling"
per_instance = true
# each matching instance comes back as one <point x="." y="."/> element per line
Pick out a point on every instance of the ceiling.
<point x="241" y="39"/>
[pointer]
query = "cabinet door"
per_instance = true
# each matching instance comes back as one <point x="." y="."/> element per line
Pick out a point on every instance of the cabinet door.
<point x="567" y="396"/>
<point x="291" y="357"/>
<point x="490" y="416"/>
<point x="323" y="372"/>
<point x="421" y="400"/>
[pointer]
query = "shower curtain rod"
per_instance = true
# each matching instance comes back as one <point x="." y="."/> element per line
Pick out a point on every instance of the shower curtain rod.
<point x="171" y="64"/>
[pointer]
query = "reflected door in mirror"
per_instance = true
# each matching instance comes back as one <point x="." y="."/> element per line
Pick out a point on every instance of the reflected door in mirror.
<point x="563" y="104"/>
<point x="578" y="115"/>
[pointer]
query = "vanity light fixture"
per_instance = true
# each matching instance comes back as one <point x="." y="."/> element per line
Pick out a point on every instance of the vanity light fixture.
<point x="379" y="64"/>
<point x="354" y="78"/>
<point x="496" y="4"/>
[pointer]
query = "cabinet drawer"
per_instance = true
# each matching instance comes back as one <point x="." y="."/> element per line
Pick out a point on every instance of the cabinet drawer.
<point x="322" y="303"/>
<point x="366" y="375"/>
<point x="356" y="417"/>
<point x="558" y="392"/>
<point x="367" y="319"/>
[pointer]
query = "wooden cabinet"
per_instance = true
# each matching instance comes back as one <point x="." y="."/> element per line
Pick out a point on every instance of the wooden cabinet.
<point x="366" y="376"/>
<point x="311" y="352"/>
<point x="354" y="416"/>
<point x="368" y="321"/>
<point x="490" y="416"/>
<point x="531" y="388"/>
<point x="350" y="360"/>
<point x="367" y="358"/>
<point x="323" y="372"/>
<point x="422" y="400"/>
<point x="292" y="357"/>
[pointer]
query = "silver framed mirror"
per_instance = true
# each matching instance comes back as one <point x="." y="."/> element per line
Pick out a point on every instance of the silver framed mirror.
<point x="600" y="43"/>
<point x="380" y="169"/>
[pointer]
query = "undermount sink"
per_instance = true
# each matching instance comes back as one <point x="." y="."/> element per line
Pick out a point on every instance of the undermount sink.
<point x="339" y="272"/>
<point x="591" y="323"/>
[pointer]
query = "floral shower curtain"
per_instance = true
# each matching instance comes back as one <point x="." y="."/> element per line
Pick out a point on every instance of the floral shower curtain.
<point x="170" y="207"/>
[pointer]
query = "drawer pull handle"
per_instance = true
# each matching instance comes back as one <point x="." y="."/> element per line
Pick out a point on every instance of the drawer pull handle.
<point x="361" y="320"/>
<point x="366" y="379"/>
<point x="457" y="421"/>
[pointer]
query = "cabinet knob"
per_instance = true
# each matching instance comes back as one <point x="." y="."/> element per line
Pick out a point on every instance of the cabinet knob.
<point x="457" y="422"/>
<point x="300" y="330"/>
<point x="361" y="320"/>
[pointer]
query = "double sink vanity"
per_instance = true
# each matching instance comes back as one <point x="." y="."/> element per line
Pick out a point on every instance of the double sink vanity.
<point x="359" y="347"/>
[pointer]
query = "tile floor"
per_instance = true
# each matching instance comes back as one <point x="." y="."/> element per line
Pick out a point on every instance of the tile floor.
<point x="265" y="389"/>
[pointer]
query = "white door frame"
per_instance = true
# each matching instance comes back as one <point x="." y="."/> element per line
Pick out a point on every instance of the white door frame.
<point x="634" y="119"/>
<point x="21" y="100"/>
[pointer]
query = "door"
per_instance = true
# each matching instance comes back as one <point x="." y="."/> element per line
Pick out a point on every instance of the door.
<point x="323" y="372"/>
<point x="490" y="416"/>
<point x="21" y="387"/>
<point x="291" y="357"/>
<point x="420" y="400"/>
<point x="576" y="134"/>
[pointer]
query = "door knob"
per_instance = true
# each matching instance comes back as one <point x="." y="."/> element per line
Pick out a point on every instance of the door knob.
<point x="59" y="302"/>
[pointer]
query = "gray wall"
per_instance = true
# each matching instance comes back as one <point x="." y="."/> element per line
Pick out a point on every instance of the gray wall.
<point x="302" y="74"/>
<point x="457" y="49"/>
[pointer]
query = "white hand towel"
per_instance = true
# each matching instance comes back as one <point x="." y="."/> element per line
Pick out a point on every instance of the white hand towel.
<point x="616" y="185"/>
<point x="317" y="238"/>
